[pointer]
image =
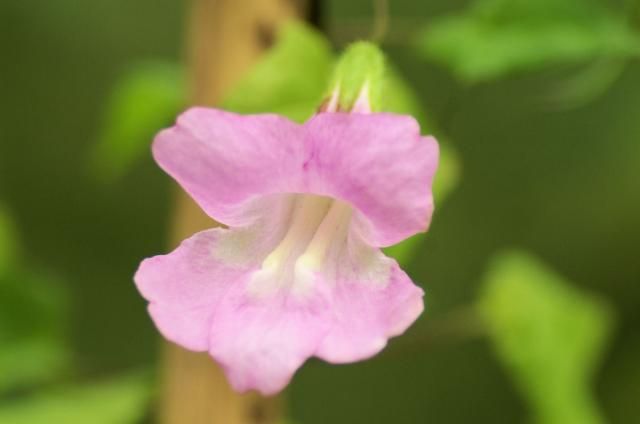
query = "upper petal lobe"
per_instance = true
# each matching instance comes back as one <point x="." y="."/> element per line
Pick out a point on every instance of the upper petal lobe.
<point x="378" y="163"/>
<point x="261" y="342"/>
<point x="224" y="159"/>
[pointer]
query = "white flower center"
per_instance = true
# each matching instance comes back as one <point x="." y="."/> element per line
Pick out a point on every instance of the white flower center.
<point x="317" y="224"/>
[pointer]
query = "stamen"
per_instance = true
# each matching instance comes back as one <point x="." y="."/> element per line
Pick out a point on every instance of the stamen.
<point x="331" y="228"/>
<point x="316" y="224"/>
<point x="308" y="213"/>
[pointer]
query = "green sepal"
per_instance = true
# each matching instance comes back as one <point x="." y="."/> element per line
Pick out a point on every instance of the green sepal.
<point x="361" y="66"/>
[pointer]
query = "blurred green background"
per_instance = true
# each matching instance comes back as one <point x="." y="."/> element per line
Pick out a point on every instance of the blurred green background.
<point x="531" y="268"/>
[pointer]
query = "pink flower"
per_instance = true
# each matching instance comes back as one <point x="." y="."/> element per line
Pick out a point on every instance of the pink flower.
<point x="299" y="272"/>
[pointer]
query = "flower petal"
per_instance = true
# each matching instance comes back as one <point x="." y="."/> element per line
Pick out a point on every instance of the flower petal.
<point x="185" y="286"/>
<point x="380" y="164"/>
<point x="224" y="159"/>
<point x="261" y="342"/>
<point x="205" y="296"/>
<point x="372" y="300"/>
<point x="377" y="162"/>
<point x="253" y="296"/>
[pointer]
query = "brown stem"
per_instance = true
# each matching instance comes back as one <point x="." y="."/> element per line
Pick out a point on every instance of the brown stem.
<point x="225" y="38"/>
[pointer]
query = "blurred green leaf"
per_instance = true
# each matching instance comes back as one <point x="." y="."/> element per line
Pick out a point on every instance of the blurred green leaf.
<point x="399" y="98"/>
<point x="549" y="335"/>
<point x="360" y="66"/>
<point x="448" y="175"/>
<point x="291" y="78"/>
<point x="446" y="179"/>
<point x="31" y="305"/>
<point x="497" y="37"/>
<point x="31" y="361"/>
<point x="588" y="84"/>
<point x="405" y="251"/>
<point x="120" y="401"/>
<point x="144" y="100"/>
<point x="31" y="330"/>
<point x="8" y="242"/>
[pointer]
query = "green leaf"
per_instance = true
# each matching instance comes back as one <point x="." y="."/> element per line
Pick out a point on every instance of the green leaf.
<point x="120" y="401"/>
<point x="31" y="330"/>
<point x="448" y="174"/>
<point x="360" y="67"/>
<point x="406" y="250"/>
<point x="498" y="37"/>
<point x="31" y="361"/>
<point x="549" y="334"/>
<point x="290" y="79"/>
<point x="32" y="348"/>
<point x="144" y="100"/>
<point x="588" y="84"/>
<point x="31" y="304"/>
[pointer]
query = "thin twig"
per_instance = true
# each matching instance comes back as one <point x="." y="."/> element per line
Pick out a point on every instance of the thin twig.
<point x="380" y="20"/>
<point x="457" y="326"/>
